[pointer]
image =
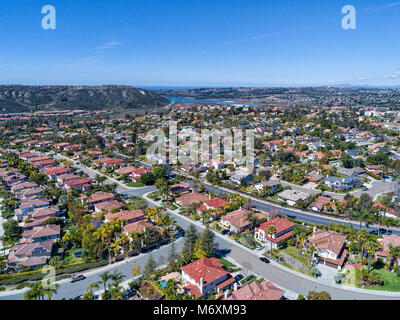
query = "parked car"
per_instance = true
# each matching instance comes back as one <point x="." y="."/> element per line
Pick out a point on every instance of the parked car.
<point x="77" y="278"/>
<point x="364" y="189"/>
<point x="224" y="232"/>
<point x="239" y="277"/>
<point x="263" y="259"/>
<point x="260" y="247"/>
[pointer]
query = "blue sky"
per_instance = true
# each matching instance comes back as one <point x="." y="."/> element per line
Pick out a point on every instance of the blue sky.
<point x="200" y="43"/>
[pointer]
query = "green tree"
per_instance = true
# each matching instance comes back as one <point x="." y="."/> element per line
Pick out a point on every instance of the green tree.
<point x="89" y="294"/>
<point x="150" y="265"/>
<point x="190" y="239"/>
<point x="12" y="231"/>
<point x="323" y="295"/>
<point x="172" y="254"/>
<point x="207" y="240"/>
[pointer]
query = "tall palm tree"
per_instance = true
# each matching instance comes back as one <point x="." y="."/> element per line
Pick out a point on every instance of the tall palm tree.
<point x="251" y="217"/>
<point x="116" y="290"/>
<point x="371" y="247"/>
<point x="105" y="277"/>
<point x="89" y="295"/>
<point x="36" y="292"/>
<point x="394" y="252"/>
<point x="271" y="231"/>
<point x="302" y="243"/>
<point x="51" y="289"/>
<point x="117" y="276"/>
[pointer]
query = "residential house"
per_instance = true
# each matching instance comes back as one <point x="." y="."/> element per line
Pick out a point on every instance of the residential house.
<point x="205" y="275"/>
<point x="129" y="216"/>
<point x="283" y="227"/>
<point x="42" y="233"/>
<point x="330" y="247"/>
<point x="237" y="221"/>
<point x="108" y="206"/>
<point x="292" y="196"/>
<point x="191" y="198"/>
<point x="385" y="243"/>
<point x="343" y="184"/>
<point x="255" y="290"/>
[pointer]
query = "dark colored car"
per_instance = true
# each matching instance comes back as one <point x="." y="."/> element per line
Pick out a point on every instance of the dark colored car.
<point x="239" y="277"/>
<point x="224" y="232"/>
<point x="263" y="259"/>
<point x="77" y="278"/>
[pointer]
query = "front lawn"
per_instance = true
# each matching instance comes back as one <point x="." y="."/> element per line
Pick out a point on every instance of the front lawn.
<point x="392" y="281"/>
<point x="248" y="279"/>
<point x="226" y="263"/>
<point x="135" y="185"/>
<point x="295" y="253"/>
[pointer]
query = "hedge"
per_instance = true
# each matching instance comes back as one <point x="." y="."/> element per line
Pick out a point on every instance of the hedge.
<point x="16" y="278"/>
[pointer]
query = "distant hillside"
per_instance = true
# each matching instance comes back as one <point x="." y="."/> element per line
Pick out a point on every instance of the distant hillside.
<point x="16" y="98"/>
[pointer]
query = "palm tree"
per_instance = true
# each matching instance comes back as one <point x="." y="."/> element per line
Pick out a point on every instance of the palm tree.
<point x="117" y="276"/>
<point x="100" y="179"/>
<point x="105" y="277"/>
<point x="313" y="250"/>
<point x="89" y="295"/>
<point x="116" y="290"/>
<point x="394" y="252"/>
<point x="271" y="231"/>
<point x="302" y="243"/>
<point x="251" y="217"/>
<point x="36" y="292"/>
<point x="52" y="288"/>
<point x="371" y="247"/>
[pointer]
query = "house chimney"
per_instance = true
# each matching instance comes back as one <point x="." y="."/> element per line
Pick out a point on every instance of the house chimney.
<point x="235" y="286"/>
<point x="201" y="285"/>
<point x="314" y="229"/>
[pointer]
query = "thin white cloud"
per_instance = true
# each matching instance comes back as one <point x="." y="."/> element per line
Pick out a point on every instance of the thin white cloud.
<point x="109" y="45"/>
<point x="258" y="37"/>
<point x="380" y="8"/>
<point x="394" y="75"/>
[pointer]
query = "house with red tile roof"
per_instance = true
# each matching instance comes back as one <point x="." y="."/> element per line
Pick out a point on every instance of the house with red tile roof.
<point x="136" y="174"/>
<point x="387" y="212"/>
<point x="52" y="173"/>
<point x="44" y="164"/>
<point x="180" y="188"/>
<point x="137" y="227"/>
<point x="30" y="254"/>
<point x="109" y="162"/>
<point x="237" y="221"/>
<point x="216" y="203"/>
<point x="28" y="155"/>
<point x="321" y="202"/>
<point x="108" y="206"/>
<point x="82" y="184"/>
<point x="125" y="170"/>
<point x="98" y="197"/>
<point x="255" y="290"/>
<point x="330" y="247"/>
<point x="36" y="159"/>
<point x="43" y="233"/>
<point x="191" y="198"/>
<point x="127" y="215"/>
<point x="73" y="147"/>
<point x="205" y="275"/>
<point x="385" y="243"/>
<point x="284" y="230"/>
